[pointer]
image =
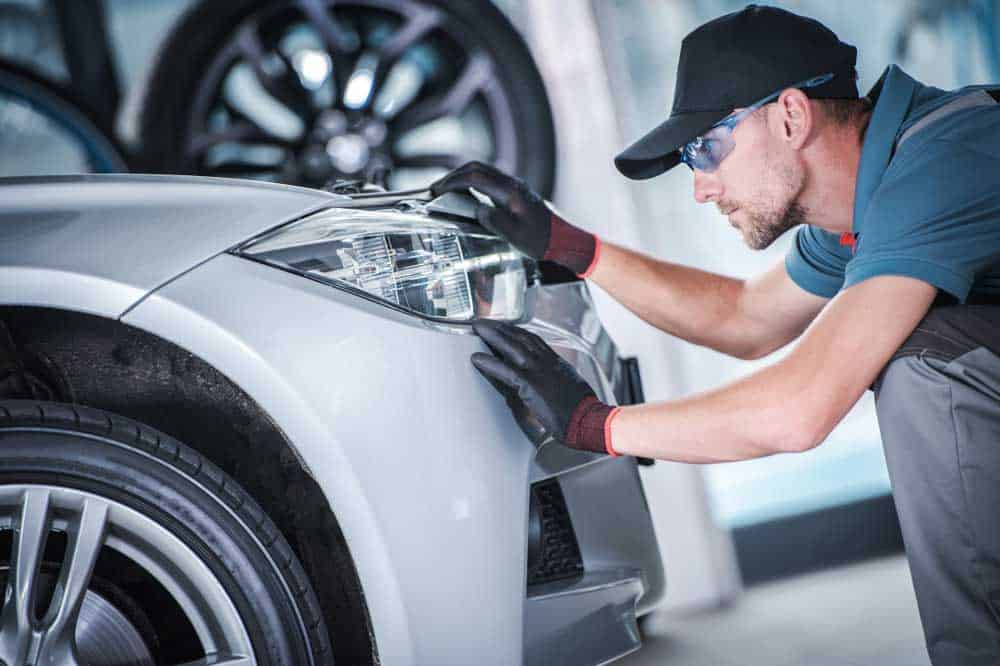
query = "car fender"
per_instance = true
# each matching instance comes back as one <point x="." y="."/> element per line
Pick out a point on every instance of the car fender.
<point x="420" y="461"/>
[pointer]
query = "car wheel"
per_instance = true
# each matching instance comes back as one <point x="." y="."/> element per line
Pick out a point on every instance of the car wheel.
<point x="308" y="92"/>
<point x="48" y="129"/>
<point x="119" y="545"/>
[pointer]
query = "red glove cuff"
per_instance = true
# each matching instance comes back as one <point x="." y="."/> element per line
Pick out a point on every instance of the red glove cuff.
<point x="608" y="448"/>
<point x="571" y="246"/>
<point x="589" y="426"/>
<point x="593" y="262"/>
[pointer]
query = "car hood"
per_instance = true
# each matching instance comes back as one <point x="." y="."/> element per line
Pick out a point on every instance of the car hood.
<point x="122" y="236"/>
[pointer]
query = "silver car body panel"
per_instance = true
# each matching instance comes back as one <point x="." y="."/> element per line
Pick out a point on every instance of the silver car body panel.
<point x="418" y="455"/>
<point x="99" y="243"/>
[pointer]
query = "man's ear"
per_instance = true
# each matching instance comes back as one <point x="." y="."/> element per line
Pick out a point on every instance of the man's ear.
<point x="796" y="117"/>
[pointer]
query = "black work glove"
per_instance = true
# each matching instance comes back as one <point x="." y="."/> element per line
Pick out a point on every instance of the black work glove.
<point x="522" y="218"/>
<point x="545" y="393"/>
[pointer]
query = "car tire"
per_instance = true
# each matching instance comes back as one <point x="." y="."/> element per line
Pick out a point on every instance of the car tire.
<point x="162" y="502"/>
<point x="193" y="44"/>
<point x="65" y="112"/>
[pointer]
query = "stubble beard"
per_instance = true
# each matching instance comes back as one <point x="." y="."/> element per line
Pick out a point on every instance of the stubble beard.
<point x="765" y="226"/>
<point x="763" y="230"/>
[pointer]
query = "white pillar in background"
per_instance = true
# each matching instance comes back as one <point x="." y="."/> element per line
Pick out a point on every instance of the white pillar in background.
<point x="698" y="556"/>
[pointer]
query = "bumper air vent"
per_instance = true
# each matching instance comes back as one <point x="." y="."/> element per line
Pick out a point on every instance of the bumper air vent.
<point x="553" y="552"/>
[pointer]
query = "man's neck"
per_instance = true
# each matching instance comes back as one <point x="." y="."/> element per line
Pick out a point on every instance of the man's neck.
<point x="829" y="199"/>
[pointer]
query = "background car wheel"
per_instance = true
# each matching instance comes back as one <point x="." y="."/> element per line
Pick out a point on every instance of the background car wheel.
<point x="120" y="545"/>
<point x="312" y="91"/>
<point x="46" y="128"/>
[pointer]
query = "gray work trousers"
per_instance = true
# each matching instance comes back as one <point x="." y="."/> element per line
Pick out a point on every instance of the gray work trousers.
<point x="938" y="404"/>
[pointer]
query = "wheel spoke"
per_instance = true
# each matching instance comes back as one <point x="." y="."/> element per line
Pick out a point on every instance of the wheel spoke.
<point x="337" y="38"/>
<point x="86" y="538"/>
<point x="241" y="131"/>
<point x="283" y="85"/>
<point x="29" y="545"/>
<point x="419" y="23"/>
<point x="341" y="42"/>
<point x="476" y="74"/>
<point x="17" y="630"/>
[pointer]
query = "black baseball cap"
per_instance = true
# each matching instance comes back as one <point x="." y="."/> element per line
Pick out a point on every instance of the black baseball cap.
<point x="732" y="62"/>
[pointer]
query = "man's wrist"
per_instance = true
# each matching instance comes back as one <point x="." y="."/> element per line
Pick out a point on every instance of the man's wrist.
<point x="571" y="246"/>
<point x="589" y="427"/>
<point x="593" y="262"/>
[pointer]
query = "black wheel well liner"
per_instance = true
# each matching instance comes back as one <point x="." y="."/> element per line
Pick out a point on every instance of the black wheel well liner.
<point x="107" y="364"/>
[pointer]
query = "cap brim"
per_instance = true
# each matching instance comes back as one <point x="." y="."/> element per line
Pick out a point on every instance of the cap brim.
<point x="656" y="152"/>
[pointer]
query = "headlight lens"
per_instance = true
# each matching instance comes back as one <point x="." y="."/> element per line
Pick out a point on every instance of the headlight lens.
<point x="445" y="270"/>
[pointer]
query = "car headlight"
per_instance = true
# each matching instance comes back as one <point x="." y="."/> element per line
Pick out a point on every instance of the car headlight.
<point x="454" y="271"/>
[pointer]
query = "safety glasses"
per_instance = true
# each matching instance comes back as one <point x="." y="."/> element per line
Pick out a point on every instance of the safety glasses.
<point x="707" y="151"/>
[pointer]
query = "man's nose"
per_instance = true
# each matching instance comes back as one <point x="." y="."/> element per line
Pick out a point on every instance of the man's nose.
<point x="706" y="187"/>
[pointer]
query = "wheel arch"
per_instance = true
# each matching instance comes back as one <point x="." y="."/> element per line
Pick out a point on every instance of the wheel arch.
<point x="107" y="364"/>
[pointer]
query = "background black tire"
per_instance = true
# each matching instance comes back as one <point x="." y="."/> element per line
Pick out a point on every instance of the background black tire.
<point x="186" y="54"/>
<point x="68" y="111"/>
<point x="90" y="450"/>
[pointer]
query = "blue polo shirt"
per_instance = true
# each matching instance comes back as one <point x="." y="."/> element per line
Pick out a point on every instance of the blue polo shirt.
<point x="930" y="211"/>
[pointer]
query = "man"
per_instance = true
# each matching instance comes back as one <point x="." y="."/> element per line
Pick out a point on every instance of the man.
<point x="898" y="198"/>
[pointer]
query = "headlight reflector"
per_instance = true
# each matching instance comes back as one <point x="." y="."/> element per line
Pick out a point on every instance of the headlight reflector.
<point x="441" y="269"/>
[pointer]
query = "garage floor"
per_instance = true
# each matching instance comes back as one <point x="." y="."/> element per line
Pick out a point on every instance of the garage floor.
<point x="860" y="615"/>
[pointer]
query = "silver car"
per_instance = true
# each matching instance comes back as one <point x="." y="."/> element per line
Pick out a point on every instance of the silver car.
<point x="239" y="425"/>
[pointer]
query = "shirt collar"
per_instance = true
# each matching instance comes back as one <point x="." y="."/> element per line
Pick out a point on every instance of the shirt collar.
<point x="891" y="96"/>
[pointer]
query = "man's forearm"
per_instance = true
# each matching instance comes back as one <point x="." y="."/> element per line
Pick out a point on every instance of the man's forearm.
<point x="696" y="305"/>
<point x="755" y="416"/>
<point x="793" y="404"/>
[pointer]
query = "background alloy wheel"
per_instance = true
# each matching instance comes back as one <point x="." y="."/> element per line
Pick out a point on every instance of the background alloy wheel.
<point x="396" y="92"/>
